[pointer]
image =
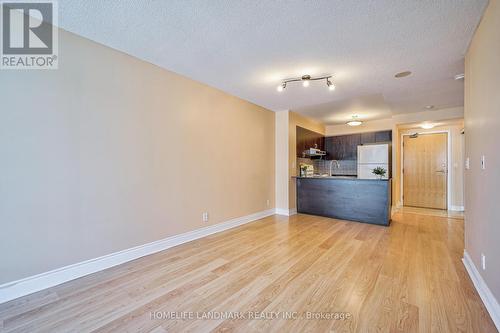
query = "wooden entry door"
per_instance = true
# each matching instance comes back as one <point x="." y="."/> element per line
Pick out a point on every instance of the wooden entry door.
<point x="425" y="170"/>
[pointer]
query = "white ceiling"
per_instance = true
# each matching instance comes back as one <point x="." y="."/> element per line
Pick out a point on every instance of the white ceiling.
<point x="246" y="47"/>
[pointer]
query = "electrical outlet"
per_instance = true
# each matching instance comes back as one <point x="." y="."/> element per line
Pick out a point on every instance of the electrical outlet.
<point x="483" y="261"/>
<point x="205" y="217"/>
<point x="467" y="163"/>
<point x="483" y="162"/>
<point x="267" y="202"/>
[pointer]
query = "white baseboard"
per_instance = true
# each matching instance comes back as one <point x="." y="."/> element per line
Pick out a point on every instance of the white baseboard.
<point x="29" y="285"/>
<point x="286" y="212"/>
<point x="488" y="298"/>
<point x="457" y="208"/>
<point x="281" y="211"/>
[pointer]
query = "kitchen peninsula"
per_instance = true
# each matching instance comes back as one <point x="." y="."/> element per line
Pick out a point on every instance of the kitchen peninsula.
<point x="346" y="198"/>
<point x="338" y="180"/>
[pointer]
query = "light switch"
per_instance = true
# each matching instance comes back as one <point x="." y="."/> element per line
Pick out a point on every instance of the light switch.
<point x="483" y="162"/>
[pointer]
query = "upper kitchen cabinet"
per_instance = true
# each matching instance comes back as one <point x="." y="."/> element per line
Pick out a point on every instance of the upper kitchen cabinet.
<point x="383" y="136"/>
<point x="342" y="147"/>
<point x="345" y="147"/>
<point x="308" y="139"/>
<point x="367" y="137"/>
<point x="376" y="137"/>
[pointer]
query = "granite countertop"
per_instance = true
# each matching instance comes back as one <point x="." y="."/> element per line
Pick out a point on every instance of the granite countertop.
<point x="338" y="177"/>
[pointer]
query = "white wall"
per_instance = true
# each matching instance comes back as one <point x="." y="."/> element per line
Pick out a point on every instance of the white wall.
<point x="282" y="174"/>
<point x="482" y="129"/>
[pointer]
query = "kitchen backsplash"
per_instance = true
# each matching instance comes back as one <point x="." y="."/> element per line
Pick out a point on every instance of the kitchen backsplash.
<point x="347" y="167"/>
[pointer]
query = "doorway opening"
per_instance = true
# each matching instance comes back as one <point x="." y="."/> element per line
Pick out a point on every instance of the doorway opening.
<point x="425" y="173"/>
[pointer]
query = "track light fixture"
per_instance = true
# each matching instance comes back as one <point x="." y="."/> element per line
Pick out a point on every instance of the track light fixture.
<point x="306" y="80"/>
<point x="281" y="87"/>
<point x="330" y="84"/>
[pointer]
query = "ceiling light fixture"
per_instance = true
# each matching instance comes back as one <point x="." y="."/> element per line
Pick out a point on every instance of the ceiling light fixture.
<point x="354" y="121"/>
<point x="306" y="80"/>
<point x="402" y="74"/>
<point x="427" y="126"/>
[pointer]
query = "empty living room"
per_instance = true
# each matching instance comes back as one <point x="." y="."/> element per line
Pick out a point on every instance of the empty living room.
<point x="249" y="166"/>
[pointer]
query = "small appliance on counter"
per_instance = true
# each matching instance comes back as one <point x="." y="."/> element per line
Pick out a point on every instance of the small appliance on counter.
<point x="371" y="156"/>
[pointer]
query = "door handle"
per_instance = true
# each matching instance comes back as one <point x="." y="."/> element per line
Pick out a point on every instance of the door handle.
<point x="441" y="171"/>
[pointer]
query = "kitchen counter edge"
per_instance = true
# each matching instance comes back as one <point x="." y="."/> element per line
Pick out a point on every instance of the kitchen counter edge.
<point x="342" y="178"/>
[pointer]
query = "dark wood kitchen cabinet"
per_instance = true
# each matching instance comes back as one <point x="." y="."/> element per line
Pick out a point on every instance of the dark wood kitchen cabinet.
<point x="351" y="143"/>
<point x="362" y="200"/>
<point x="376" y="137"/>
<point x="308" y="139"/>
<point x="345" y="147"/>
<point x="367" y="138"/>
<point x="383" y="136"/>
<point x="342" y="147"/>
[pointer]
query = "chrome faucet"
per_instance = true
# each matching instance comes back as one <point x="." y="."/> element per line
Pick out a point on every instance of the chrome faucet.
<point x="337" y="165"/>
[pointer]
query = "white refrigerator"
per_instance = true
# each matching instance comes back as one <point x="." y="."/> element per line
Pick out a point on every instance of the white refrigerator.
<point x="371" y="156"/>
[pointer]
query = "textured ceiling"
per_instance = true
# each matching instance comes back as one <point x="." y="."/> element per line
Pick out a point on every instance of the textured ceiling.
<point x="246" y="47"/>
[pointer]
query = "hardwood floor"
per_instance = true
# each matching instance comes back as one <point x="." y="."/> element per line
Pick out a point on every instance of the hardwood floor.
<point x="404" y="278"/>
<point x="432" y="212"/>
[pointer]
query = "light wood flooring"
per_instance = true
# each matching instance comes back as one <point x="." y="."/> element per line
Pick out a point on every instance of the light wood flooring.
<point x="451" y="214"/>
<point x="404" y="278"/>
